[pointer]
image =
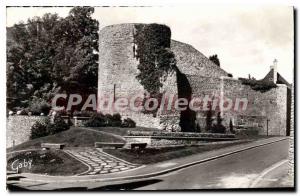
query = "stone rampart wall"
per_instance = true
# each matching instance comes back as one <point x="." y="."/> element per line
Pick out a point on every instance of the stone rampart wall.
<point x="266" y="110"/>
<point x="18" y="128"/>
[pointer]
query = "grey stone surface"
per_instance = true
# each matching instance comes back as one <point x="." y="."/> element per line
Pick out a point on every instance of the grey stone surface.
<point x="18" y="128"/>
<point x="99" y="162"/>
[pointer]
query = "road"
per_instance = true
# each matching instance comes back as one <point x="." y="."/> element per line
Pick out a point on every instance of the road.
<point x="233" y="171"/>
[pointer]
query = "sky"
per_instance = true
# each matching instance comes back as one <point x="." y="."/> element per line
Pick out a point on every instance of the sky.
<point x="246" y="39"/>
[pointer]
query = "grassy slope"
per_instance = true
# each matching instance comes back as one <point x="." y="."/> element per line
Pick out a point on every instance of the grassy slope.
<point x="74" y="137"/>
<point x="50" y="162"/>
<point x="164" y="154"/>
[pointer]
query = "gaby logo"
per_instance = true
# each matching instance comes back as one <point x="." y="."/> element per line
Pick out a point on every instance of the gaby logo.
<point x="19" y="164"/>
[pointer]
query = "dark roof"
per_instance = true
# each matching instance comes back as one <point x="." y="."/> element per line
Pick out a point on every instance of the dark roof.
<point x="280" y="79"/>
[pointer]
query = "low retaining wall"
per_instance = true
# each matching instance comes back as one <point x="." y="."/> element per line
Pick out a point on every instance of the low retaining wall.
<point x="18" y="128"/>
<point x="155" y="140"/>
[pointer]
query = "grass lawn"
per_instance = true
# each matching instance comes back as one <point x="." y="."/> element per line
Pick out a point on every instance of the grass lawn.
<point x="148" y="156"/>
<point x="122" y="131"/>
<point x="74" y="137"/>
<point x="50" y="162"/>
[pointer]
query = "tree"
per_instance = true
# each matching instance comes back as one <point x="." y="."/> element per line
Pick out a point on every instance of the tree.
<point x="231" y="126"/>
<point x="198" y="128"/>
<point x="29" y="58"/>
<point x="209" y="118"/>
<point x="214" y="58"/>
<point x="76" y="52"/>
<point x="219" y="128"/>
<point x="50" y="54"/>
<point x="219" y="119"/>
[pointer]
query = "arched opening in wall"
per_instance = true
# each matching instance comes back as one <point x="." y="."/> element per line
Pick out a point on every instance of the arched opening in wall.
<point x="187" y="117"/>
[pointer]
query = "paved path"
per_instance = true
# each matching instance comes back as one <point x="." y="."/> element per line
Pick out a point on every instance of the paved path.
<point x="100" y="162"/>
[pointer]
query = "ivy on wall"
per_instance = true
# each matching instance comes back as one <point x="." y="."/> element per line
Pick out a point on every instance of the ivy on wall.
<point x="155" y="57"/>
<point x="258" y="85"/>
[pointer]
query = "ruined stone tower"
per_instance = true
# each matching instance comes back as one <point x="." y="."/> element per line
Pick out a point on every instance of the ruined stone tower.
<point x="118" y="69"/>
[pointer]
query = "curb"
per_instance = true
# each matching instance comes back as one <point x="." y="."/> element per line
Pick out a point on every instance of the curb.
<point x="149" y="175"/>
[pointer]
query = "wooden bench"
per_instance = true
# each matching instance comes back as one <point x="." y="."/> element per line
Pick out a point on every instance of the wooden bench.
<point x="106" y="145"/>
<point x="138" y="145"/>
<point x="48" y="146"/>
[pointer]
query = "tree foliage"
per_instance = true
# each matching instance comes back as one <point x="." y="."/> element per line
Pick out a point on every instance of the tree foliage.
<point x="214" y="58"/>
<point x="258" y="85"/>
<point x="45" y="127"/>
<point x="209" y="118"/>
<point x="51" y="54"/>
<point x="219" y="127"/>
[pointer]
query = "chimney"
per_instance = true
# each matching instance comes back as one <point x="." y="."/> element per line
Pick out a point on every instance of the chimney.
<point x="274" y="69"/>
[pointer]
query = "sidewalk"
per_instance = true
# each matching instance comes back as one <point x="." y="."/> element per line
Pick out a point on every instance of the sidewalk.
<point x="153" y="169"/>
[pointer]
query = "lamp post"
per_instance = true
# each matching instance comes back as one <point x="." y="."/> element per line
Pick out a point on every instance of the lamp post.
<point x="114" y="93"/>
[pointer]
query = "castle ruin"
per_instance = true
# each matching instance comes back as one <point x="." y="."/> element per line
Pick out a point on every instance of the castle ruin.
<point x="195" y="76"/>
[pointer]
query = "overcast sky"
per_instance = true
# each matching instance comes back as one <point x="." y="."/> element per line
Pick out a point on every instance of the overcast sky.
<point x="246" y="39"/>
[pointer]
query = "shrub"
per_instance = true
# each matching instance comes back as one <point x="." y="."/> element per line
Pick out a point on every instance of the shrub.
<point x="113" y="120"/>
<point x="100" y="120"/>
<point x="22" y="112"/>
<point x="57" y="126"/>
<point x="116" y="117"/>
<point x="219" y="128"/>
<point x="62" y="113"/>
<point x="38" y="106"/>
<point x="70" y="123"/>
<point x="128" y="122"/>
<point x="45" y="127"/>
<point x="39" y="129"/>
<point x="97" y="120"/>
<point x="108" y="120"/>
<point x="258" y="85"/>
<point x="116" y="120"/>
<point x="209" y="120"/>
